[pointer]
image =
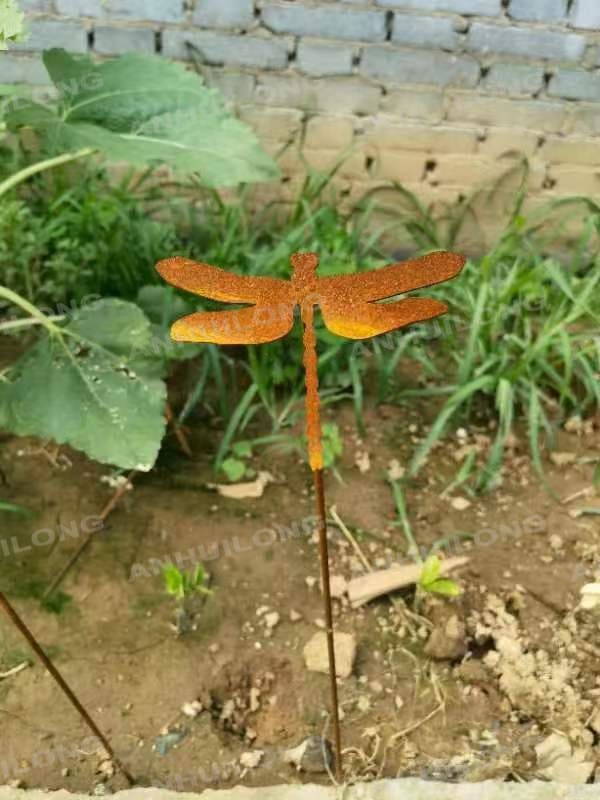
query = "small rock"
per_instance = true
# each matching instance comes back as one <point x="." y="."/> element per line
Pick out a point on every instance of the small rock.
<point x="557" y="761"/>
<point x="395" y="470"/>
<point x="106" y="768"/>
<point x="474" y="673"/>
<point x="192" y="709"/>
<point x="363" y="703"/>
<point x="295" y="616"/>
<point x="251" y="759"/>
<point x="398" y="702"/>
<point x="460" y="503"/>
<point x="272" y="619"/>
<point x="254" y="699"/>
<point x="447" y="641"/>
<point x="313" y="755"/>
<point x="316" y="658"/>
<point x="337" y="586"/>
<point x="562" y="459"/>
<point x="590" y="597"/>
<point x="362" y="461"/>
<point x="574" y="425"/>
<point x="555" y="541"/>
<point x="310" y="581"/>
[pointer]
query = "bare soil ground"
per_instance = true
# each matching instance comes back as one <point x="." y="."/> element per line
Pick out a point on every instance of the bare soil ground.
<point x="450" y="689"/>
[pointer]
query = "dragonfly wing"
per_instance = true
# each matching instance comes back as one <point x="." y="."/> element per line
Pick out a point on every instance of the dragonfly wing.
<point x="219" y="284"/>
<point x="362" y="320"/>
<point x="377" y="284"/>
<point x="255" y="325"/>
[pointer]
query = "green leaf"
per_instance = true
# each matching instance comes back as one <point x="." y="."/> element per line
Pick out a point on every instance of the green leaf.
<point x="332" y="443"/>
<point x="11" y="24"/>
<point x="199" y="580"/>
<point x="233" y="468"/>
<point x="174" y="580"/>
<point x="242" y="449"/>
<point x="145" y="110"/>
<point x="444" y="586"/>
<point x="430" y="572"/>
<point x="93" y="387"/>
<point x="11" y="508"/>
<point x="163" y="306"/>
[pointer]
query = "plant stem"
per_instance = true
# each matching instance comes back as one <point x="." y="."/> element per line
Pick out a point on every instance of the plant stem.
<point x="41" y="166"/>
<point x="30" y="309"/>
<point x="413" y="548"/>
<point x="15" y="324"/>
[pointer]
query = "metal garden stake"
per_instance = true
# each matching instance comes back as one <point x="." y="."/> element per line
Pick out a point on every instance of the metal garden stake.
<point x="36" y="647"/>
<point x="349" y="308"/>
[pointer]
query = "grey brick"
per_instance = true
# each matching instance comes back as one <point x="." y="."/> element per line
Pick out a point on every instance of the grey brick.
<point x="526" y="42"/>
<point x="334" y="95"/>
<point x="514" y="78"/>
<point x="115" y="41"/>
<point x="324" y="58"/>
<point x="19" y="69"/>
<point x="325" y="21"/>
<point x="45" y="33"/>
<point x="538" y="10"/>
<point x="346" y="96"/>
<point x="484" y="8"/>
<point x="224" y="13"/>
<point x="586" y="14"/>
<point x="414" y="103"/>
<point x="415" y="66"/>
<point x="220" y="48"/>
<point x="147" y="10"/>
<point x="79" y="8"/>
<point x="575" y="84"/>
<point x="413" y="29"/>
<point x="35" y="5"/>
<point x="285" y="91"/>
<point x="236" y="87"/>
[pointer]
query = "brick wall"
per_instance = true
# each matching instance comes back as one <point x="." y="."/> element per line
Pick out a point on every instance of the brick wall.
<point x="433" y="93"/>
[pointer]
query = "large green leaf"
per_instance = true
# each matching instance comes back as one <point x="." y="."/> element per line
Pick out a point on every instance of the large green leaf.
<point x="11" y="23"/>
<point x="163" y="306"/>
<point x="145" y="110"/>
<point x="95" y="386"/>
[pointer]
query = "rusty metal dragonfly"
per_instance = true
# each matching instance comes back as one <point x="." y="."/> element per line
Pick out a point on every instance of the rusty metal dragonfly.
<point x="350" y="307"/>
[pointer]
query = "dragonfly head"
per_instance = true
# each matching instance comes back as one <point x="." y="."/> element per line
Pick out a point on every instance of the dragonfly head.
<point x="305" y="269"/>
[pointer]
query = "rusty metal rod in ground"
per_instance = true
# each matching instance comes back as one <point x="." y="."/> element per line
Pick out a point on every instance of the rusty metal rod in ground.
<point x="18" y="622"/>
<point x="106" y="511"/>
<point x="324" y="558"/>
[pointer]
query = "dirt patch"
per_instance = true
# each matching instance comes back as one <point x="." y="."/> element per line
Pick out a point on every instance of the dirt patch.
<point x="460" y="689"/>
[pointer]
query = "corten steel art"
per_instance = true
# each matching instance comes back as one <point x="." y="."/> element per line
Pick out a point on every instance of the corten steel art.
<point x="349" y="308"/>
<point x="70" y="694"/>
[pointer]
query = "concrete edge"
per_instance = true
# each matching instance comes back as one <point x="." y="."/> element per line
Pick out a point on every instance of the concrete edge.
<point x="399" y="789"/>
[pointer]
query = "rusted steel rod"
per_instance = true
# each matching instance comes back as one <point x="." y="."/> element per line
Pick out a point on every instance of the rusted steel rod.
<point x="324" y="558"/>
<point x="33" y="643"/>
